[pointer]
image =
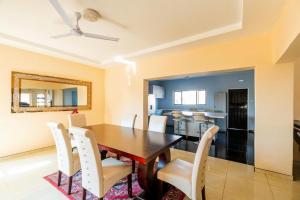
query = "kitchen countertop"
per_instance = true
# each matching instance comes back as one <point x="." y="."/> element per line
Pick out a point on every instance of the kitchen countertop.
<point x="213" y="115"/>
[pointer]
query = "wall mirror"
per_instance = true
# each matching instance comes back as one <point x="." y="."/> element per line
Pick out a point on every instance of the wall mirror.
<point x="37" y="93"/>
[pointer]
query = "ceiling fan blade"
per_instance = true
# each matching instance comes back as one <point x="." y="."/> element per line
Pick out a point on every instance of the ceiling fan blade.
<point x="62" y="13"/>
<point x="62" y="35"/>
<point x="102" y="37"/>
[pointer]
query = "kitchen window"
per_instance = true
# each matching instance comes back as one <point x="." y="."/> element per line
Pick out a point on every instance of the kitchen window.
<point x="201" y="97"/>
<point x="177" y="98"/>
<point x="190" y="97"/>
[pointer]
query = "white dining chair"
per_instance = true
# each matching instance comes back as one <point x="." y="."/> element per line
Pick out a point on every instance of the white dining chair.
<point x="157" y="123"/>
<point x="110" y="154"/>
<point x="133" y="121"/>
<point x="77" y="120"/>
<point x="68" y="161"/>
<point x="133" y="126"/>
<point x="188" y="177"/>
<point x="98" y="176"/>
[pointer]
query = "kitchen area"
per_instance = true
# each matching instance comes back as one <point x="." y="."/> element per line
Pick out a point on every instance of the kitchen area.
<point x="194" y="103"/>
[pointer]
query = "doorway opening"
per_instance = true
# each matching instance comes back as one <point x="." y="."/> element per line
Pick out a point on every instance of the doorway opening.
<point x="225" y="98"/>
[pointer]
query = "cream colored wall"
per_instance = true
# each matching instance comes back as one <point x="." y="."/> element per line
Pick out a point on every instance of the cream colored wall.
<point x="273" y="91"/>
<point x="296" y="103"/>
<point x="297" y="90"/>
<point x="286" y="29"/>
<point x="21" y="132"/>
<point x="274" y="117"/>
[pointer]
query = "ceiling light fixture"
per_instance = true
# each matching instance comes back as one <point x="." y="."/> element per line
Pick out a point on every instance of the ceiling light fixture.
<point x="91" y="15"/>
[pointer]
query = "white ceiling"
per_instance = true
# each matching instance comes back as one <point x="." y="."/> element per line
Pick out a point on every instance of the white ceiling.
<point x="143" y="26"/>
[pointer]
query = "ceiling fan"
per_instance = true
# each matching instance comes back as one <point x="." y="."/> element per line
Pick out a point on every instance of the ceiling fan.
<point x="75" y="29"/>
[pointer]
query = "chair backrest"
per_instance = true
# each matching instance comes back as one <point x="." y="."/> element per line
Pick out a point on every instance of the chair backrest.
<point x="176" y="114"/>
<point x="198" y="174"/>
<point x="133" y="121"/>
<point x="198" y="116"/>
<point x="91" y="165"/>
<point x="77" y="120"/>
<point x="157" y="123"/>
<point x="63" y="147"/>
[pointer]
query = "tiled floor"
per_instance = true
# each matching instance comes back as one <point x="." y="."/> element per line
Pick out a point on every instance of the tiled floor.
<point x="21" y="179"/>
<point x="231" y="145"/>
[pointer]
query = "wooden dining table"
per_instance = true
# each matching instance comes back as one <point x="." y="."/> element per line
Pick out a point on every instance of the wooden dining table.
<point x="139" y="145"/>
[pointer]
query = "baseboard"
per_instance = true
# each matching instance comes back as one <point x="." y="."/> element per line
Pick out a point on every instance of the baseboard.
<point x="26" y="153"/>
<point x="290" y="177"/>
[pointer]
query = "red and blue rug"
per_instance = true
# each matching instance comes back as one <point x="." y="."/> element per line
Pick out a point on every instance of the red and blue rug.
<point x="118" y="191"/>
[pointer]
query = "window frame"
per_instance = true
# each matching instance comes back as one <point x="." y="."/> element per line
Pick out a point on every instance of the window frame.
<point x="205" y="95"/>
<point x="197" y="91"/>
<point x="188" y="91"/>
<point x="180" y="97"/>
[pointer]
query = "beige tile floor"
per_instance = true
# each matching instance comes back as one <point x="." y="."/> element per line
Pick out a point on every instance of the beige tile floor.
<point x="21" y="179"/>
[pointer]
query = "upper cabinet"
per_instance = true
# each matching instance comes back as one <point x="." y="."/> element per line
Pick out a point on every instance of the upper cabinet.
<point x="158" y="91"/>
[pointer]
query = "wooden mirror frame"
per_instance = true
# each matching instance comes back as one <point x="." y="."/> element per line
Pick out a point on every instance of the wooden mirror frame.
<point x="16" y="78"/>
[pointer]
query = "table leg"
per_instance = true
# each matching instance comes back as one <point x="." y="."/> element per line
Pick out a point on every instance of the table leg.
<point x="103" y="154"/>
<point x="147" y="174"/>
<point x="164" y="158"/>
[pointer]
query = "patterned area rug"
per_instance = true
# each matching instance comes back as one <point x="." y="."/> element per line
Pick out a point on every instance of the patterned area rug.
<point x="118" y="191"/>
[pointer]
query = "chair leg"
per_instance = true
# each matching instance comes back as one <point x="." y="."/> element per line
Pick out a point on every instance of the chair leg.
<point x="59" y="178"/>
<point x="133" y="166"/>
<point x="70" y="185"/>
<point x="203" y="193"/>
<point x="103" y="154"/>
<point x="129" y="181"/>
<point x="83" y="194"/>
<point x="160" y="189"/>
<point x="118" y="156"/>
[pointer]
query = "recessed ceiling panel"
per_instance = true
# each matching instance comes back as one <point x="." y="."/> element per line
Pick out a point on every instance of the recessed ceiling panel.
<point x="142" y="25"/>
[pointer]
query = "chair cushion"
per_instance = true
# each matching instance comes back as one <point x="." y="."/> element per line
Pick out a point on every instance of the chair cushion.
<point x="113" y="171"/>
<point x="179" y="174"/>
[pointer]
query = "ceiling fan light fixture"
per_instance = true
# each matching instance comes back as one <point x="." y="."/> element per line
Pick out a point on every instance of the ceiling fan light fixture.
<point x="75" y="28"/>
<point x="91" y="15"/>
